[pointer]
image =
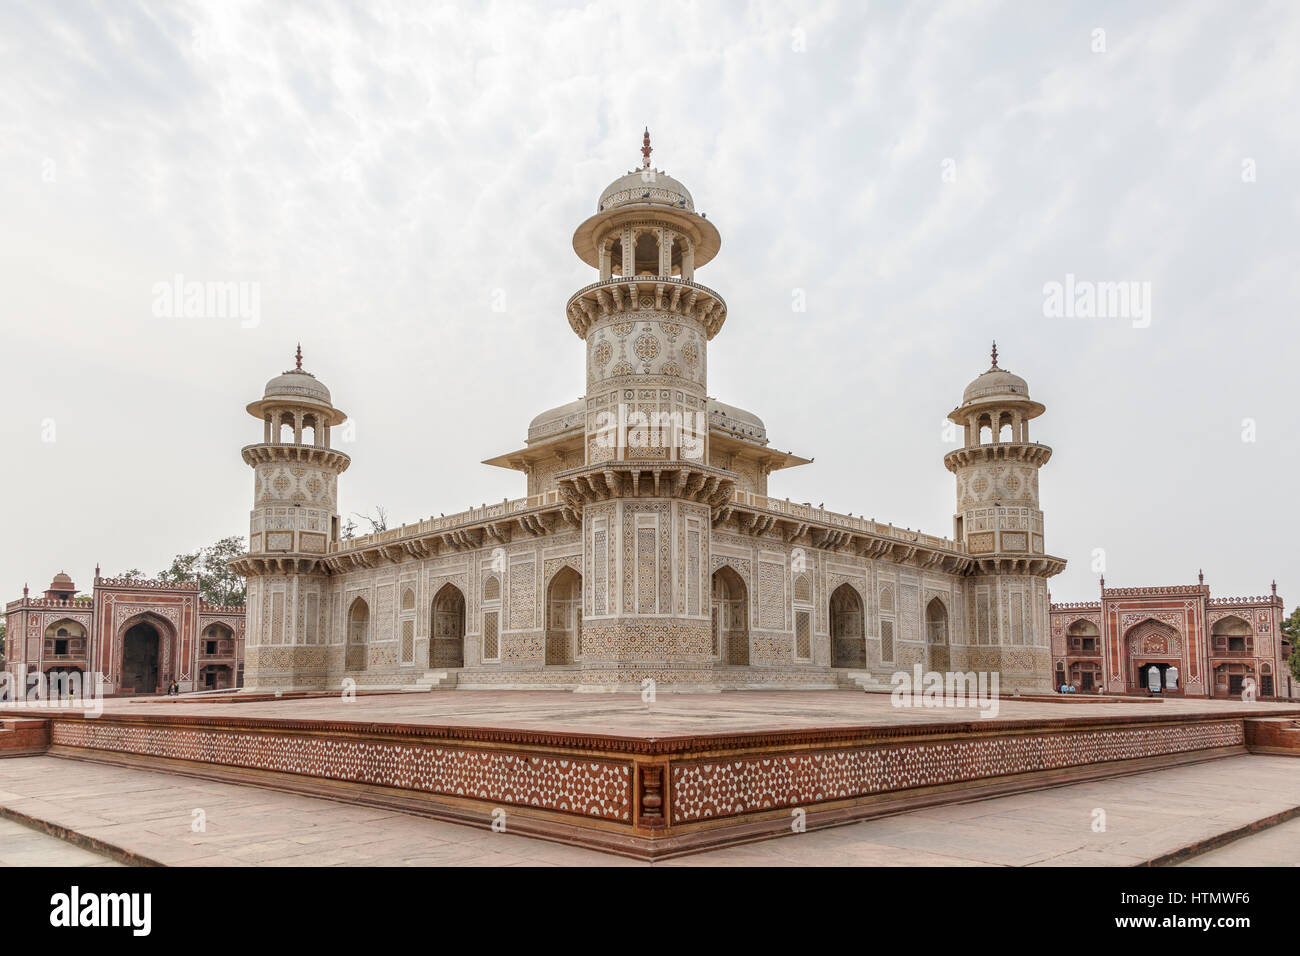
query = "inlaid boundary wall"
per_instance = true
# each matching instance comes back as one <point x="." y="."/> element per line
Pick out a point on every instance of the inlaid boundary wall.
<point x="651" y="797"/>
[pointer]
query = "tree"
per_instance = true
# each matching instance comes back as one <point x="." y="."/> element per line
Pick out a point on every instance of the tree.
<point x="379" y="522"/>
<point x="1291" y="632"/>
<point x="217" y="583"/>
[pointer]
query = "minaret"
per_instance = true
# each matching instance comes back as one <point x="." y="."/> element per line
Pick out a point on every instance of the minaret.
<point x="1000" y="524"/>
<point x="646" y="492"/>
<point x="291" y="527"/>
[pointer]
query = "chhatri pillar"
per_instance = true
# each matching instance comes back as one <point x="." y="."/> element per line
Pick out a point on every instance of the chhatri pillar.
<point x="292" y="525"/>
<point x="646" y="493"/>
<point x="1000" y="524"/>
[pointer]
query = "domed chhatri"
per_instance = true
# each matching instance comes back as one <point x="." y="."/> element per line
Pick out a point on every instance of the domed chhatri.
<point x="297" y="387"/>
<point x="996" y="382"/>
<point x="641" y="194"/>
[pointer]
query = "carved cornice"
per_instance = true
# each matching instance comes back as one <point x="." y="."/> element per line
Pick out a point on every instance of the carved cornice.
<point x="629" y="294"/>
<point x="330" y="458"/>
<point x="1031" y="454"/>
<point x="649" y="479"/>
<point x="1042" y="565"/>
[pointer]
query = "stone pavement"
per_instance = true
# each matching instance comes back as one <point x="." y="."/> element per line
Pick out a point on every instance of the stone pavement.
<point x="1276" y="846"/>
<point x="23" y="846"/>
<point x="152" y="814"/>
<point x="627" y="715"/>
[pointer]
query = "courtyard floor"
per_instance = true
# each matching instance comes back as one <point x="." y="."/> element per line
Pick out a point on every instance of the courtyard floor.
<point x="671" y="714"/>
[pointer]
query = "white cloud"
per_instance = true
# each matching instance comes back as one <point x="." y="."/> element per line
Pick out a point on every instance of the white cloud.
<point x="381" y="172"/>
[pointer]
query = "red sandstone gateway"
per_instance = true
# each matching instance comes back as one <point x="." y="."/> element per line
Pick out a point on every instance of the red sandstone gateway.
<point x="140" y="635"/>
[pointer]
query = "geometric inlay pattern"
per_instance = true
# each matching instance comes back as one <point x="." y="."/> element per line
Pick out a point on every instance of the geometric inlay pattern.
<point x="591" y="788"/>
<point x="706" y="789"/>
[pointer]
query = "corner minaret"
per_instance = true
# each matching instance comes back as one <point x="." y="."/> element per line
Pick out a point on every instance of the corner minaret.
<point x="292" y="525"/>
<point x="1000" y="524"/>
<point x="646" y="490"/>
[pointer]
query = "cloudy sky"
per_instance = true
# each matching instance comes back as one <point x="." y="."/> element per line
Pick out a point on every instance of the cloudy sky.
<point x="917" y="173"/>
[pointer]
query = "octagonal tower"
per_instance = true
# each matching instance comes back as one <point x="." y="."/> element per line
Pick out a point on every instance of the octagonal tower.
<point x="646" y="491"/>
<point x="1000" y="523"/>
<point x="293" y="522"/>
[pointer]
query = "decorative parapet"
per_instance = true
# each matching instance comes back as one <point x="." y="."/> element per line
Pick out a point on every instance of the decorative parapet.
<point x="1177" y="589"/>
<point x="469" y="530"/>
<point x="79" y="603"/>
<point x="1258" y="601"/>
<point x="758" y="514"/>
<point x="1076" y="606"/>
<point x="146" y="584"/>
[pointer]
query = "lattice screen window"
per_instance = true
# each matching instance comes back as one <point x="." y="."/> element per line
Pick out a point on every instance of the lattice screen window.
<point x="491" y="648"/>
<point x="803" y="589"/>
<point x="408" y="642"/>
<point x="803" y="635"/>
<point x="887" y="641"/>
<point x="492" y="589"/>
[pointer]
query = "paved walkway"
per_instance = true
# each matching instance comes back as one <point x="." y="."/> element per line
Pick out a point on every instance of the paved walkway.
<point x="627" y="715"/>
<point x="1276" y="846"/>
<point x="23" y="846"/>
<point x="155" y="814"/>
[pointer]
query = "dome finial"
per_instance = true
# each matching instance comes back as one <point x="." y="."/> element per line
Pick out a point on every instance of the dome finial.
<point x="995" y="353"/>
<point x="645" y="149"/>
<point x="298" y="358"/>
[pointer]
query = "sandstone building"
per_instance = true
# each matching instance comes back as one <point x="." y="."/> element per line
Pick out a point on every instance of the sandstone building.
<point x="1200" y="646"/>
<point x="139" y="634"/>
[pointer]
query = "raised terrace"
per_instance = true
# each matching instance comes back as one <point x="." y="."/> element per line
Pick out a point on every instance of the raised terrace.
<point x="656" y="779"/>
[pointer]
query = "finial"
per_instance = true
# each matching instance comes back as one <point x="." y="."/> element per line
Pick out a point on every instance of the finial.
<point x="1200" y="576"/>
<point x="645" y="149"/>
<point x="995" y="353"/>
<point x="1275" y="588"/>
<point x="96" y="570"/>
<point x="1103" y="582"/>
<point x="298" y="357"/>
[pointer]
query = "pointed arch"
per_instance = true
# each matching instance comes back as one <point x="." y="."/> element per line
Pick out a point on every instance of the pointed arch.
<point x="145" y="643"/>
<point x="936" y="635"/>
<point x="730" y="616"/>
<point x="358" y="635"/>
<point x="848" y="623"/>
<point x="564" y="617"/>
<point x="447" y="627"/>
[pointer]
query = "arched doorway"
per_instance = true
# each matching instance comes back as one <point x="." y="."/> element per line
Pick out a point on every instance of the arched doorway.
<point x="848" y="638"/>
<point x="936" y="635"/>
<point x="1152" y="643"/>
<point x="564" y="617"/>
<point x="447" y="628"/>
<point x="358" y="635"/>
<point x="141" y="659"/>
<point x="730" y="617"/>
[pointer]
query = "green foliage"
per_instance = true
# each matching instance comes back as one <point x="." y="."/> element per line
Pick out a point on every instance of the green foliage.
<point x="217" y="583"/>
<point x="1291" y="630"/>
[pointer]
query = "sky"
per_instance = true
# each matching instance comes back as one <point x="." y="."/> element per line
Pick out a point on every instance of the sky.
<point x="896" y="185"/>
